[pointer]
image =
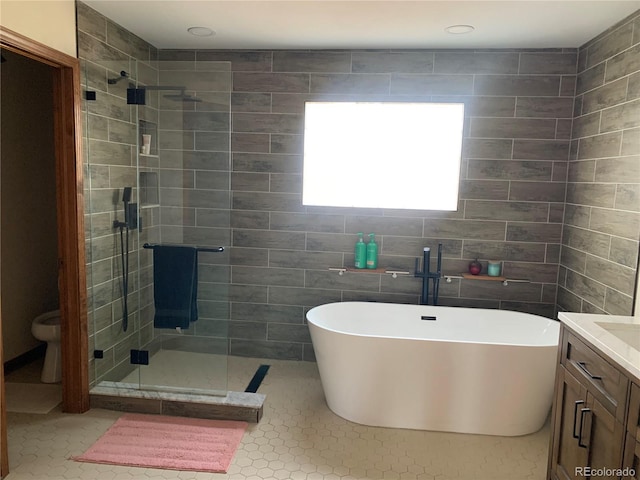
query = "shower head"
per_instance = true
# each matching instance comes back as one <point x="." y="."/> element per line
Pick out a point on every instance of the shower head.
<point x="126" y="194"/>
<point x="113" y="81"/>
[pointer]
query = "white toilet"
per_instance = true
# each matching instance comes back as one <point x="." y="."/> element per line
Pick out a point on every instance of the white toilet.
<point x="46" y="327"/>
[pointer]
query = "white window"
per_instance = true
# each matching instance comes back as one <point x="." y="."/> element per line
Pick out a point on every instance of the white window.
<point x="382" y="154"/>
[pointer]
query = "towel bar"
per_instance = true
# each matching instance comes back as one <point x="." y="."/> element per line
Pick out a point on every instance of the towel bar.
<point x="200" y="249"/>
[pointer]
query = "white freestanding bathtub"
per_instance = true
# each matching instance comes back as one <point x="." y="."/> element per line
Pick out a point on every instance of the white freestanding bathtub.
<point x="468" y="370"/>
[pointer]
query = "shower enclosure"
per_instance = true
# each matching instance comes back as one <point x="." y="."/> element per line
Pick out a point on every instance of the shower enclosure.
<point x="157" y="139"/>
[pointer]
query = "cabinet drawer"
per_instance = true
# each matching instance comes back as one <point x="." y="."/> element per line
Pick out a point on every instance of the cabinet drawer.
<point x="633" y="422"/>
<point x="603" y="380"/>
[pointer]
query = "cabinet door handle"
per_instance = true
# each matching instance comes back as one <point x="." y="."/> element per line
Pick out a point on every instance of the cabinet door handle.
<point x="583" y="367"/>
<point x="582" y="412"/>
<point x="575" y="416"/>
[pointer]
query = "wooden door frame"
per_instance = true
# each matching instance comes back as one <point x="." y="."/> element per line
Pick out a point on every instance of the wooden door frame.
<point x="72" y="281"/>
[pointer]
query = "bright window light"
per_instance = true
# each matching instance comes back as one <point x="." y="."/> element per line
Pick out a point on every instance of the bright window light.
<point x="382" y="154"/>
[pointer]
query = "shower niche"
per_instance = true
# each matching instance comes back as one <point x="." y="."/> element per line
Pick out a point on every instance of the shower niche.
<point x="149" y="196"/>
<point x="148" y="131"/>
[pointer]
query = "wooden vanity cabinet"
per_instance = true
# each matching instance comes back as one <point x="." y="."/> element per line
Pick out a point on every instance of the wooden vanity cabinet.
<point x="588" y="429"/>
<point x="632" y="445"/>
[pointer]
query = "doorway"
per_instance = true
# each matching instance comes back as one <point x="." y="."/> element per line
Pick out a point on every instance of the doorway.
<point x="70" y="225"/>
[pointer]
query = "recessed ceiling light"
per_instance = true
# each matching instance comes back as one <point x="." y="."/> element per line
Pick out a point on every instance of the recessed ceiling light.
<point x="459" y="29"/>
<point x="201" y="31"/>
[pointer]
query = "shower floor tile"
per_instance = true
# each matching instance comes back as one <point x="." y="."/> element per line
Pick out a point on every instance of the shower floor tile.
<point x="298" y="438"/>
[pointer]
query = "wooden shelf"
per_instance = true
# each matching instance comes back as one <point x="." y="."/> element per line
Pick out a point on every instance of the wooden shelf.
<point x="468" y="276"/>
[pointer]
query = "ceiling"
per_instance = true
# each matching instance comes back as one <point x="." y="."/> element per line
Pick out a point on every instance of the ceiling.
<point x="328" y="24"/>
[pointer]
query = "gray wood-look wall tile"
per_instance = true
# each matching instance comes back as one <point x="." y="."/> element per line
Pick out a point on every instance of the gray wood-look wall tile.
<point x="271" y="82"/>
<point x="311" y="61"/>
<point x="268" y="101"/>
<point x="267" y="123"/>
<point x="509" y="170"/>
<point x="304" y="259"/>
<point x="534" y="232"/>
<point x="548" y="63"/>
<point x="286" y="183"/>
<point x="304" y="222"/>
<point x="540" y="149"/>
<point x="241" y="61"/>
<point x="591" y="194"/>
<point x="539" y="128"/>
<point x="465" y="229"/>
<point x="392" y="62"/>
<point x="624" y="252"/>
<point x="484" y="190"/>
<point x="291" y="277"/>
<point x="617" y="303"/>
<point x="267" y="163"/>
<point x="621" y="169"/>
<point x="349" y="83"/>
<point x="275" y="202"/>
<point x="476" y="63"/>
<point x="585" y="240"/>
<point x="537" y="191"/>
<point x="608" y="95"/>
<point x="621" y="117"/>
<point x="609" y="45"/>
<point x="589" y="82"/>
<point x="587" y="288"/>
<point x="250" y="142"/>
<point x="515" y="211"/>
<point x="402" y="84"/>
<point x="623" y="64"/>
<point x="544" y="107"/>
<point x="519" y="85"/>
<point x="257" y="312"/>
<point x="499" y="149"/>
<point x="628" y="197"/>
<point x="618" y="223"/>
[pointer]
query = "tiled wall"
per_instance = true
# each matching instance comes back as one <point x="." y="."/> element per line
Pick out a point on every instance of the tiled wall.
<point x="602" y="222"/>
<point x="519" y="107"/>
<point x="517" y="146"/>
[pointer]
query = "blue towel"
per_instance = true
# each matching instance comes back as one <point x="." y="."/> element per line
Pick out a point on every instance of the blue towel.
<point x="175" y="286"/>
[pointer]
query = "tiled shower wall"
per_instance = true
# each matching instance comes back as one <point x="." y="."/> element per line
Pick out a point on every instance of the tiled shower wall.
<point x="519" y="108"/>
<point x="110" y="142"/>
<point x="602" y="222"/>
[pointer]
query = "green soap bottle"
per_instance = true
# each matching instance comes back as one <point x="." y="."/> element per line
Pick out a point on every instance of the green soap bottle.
<point x="372" y="252"/>
<point x="361" y="252"/>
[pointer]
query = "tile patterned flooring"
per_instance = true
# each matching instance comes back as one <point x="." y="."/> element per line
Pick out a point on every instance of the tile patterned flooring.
<point x="299" y="438"/>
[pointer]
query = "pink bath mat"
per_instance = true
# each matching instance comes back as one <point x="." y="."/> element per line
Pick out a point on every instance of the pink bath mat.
<point x="173" y="443"/>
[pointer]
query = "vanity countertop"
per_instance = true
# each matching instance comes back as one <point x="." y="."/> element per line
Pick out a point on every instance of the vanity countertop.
<point x="616" y="336"/>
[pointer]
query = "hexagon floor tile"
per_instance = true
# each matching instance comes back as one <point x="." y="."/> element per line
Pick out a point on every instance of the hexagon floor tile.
<point x="298" y="438"/>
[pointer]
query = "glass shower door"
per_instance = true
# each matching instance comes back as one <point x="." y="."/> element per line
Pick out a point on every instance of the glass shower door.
<point x="157" y="150"/>
<point x="184" y="200"/>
